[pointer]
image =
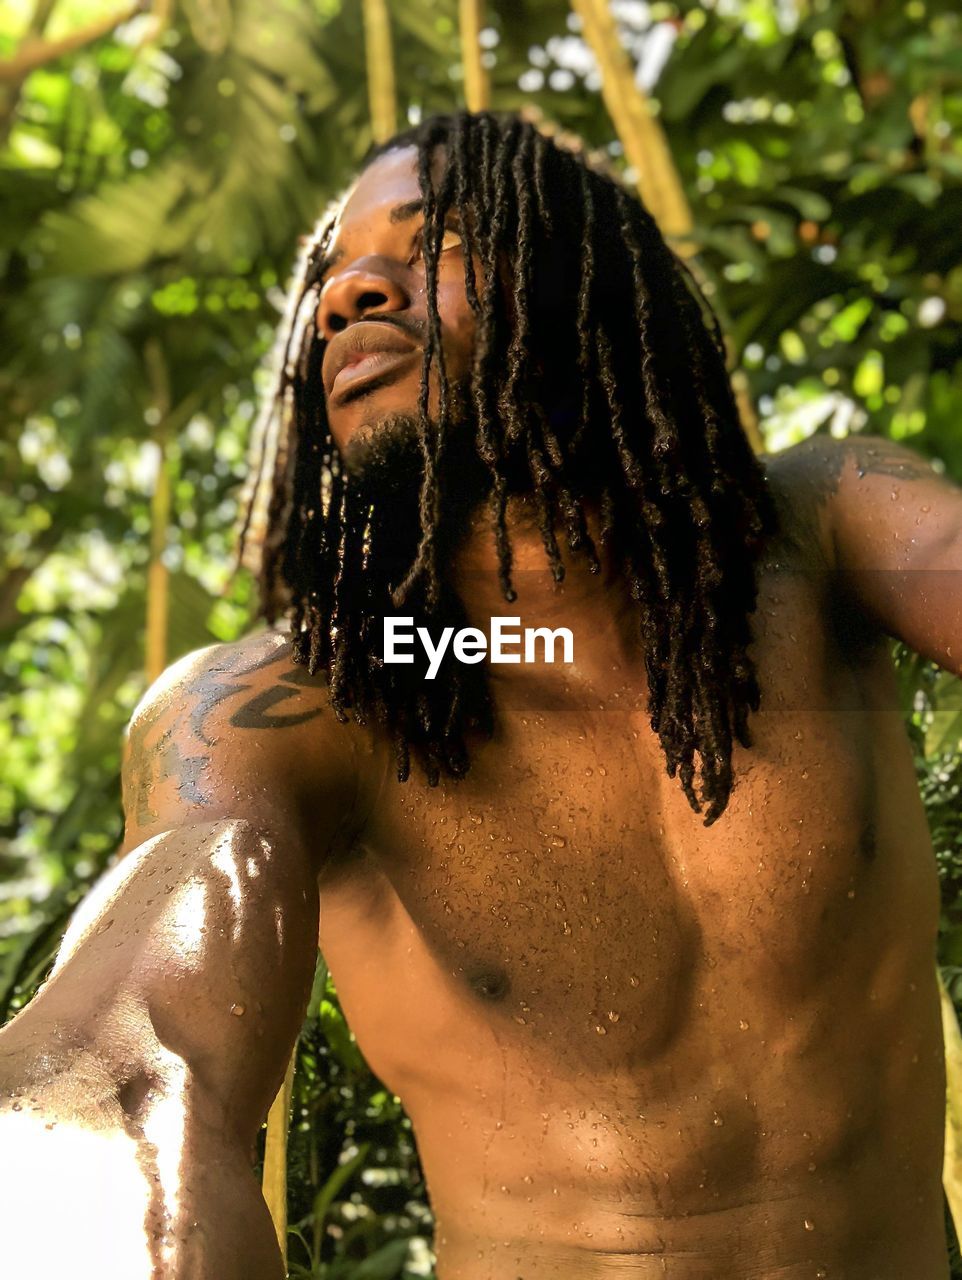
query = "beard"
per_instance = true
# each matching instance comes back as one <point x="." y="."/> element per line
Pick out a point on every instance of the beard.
<point x="384" y="466"/>
<point x="368" y="551"/>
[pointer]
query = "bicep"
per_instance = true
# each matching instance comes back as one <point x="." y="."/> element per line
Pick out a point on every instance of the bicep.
<point x="897" y="532"/>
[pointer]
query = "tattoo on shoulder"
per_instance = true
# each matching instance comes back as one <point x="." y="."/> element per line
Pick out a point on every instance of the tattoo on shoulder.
<point x="819" y="463"/>
<point x="256" y="713"/>
<point x="807" y="477"/>
<point x="813" y="470"/>
<point x="879" y="457"/>
<point x="173" y="743"/>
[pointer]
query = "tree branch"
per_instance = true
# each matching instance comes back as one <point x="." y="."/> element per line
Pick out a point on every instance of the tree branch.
<point x="35" y="52"/>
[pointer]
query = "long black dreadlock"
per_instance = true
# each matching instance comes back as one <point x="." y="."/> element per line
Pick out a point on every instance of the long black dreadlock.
<point x="598" y="371"/>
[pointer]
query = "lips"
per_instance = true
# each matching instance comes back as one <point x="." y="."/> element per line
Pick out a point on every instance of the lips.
<point x="369" y="365"/>
<point x="365" y="350"/>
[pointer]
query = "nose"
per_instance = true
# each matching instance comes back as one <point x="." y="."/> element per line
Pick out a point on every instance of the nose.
<point x="353" y="294"/>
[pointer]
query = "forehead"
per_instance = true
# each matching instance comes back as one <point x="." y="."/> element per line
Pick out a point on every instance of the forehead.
<point x="388" y="182"/>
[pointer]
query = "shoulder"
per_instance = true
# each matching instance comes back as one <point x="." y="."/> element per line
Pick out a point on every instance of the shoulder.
<point x="234" y="729"/>
<point x="865" y="490"/>
<point x="229" y="685"/>
<point x="823" y="484"/>
<point x="827" y="467"/>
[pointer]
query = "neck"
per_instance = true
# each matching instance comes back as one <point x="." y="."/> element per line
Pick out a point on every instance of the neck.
<point x="595" y="607"/>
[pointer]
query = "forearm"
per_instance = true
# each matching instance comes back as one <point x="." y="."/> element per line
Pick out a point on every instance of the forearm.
<point x="188" y="966"/>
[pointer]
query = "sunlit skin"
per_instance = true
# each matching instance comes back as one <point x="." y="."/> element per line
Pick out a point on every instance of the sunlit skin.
<point x="630" y="1045"/>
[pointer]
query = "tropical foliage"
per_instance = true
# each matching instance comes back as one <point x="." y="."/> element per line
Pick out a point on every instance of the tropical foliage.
<point x="158" y="165"/>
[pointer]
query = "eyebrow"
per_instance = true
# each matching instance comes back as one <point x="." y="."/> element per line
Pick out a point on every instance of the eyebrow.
<point x="400" y="213"/>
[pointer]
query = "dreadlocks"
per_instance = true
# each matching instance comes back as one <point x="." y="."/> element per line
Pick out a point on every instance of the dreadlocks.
<point x="598" y="372"/>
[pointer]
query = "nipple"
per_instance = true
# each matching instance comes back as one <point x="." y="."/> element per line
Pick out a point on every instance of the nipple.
<point x="490" y="984"/>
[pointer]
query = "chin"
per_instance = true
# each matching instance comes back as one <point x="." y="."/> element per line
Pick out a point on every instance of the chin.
<point x="368" y="412"/>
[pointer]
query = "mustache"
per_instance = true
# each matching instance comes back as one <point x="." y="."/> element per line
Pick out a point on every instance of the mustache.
<point x="412" y="328"/>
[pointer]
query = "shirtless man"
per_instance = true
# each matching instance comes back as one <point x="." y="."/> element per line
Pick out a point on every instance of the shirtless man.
<point x="641" y="1028"/>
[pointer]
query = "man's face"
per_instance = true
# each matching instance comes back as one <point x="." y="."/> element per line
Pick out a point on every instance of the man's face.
<point x="373" y="304"/>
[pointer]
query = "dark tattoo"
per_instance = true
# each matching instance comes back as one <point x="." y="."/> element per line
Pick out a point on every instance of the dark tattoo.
<point x="158" y="754"/>
<point x="254" y="714"/>
<point x="824" y="461"/>
<point x="151" y="763"/>
<point x="810" y="475"/>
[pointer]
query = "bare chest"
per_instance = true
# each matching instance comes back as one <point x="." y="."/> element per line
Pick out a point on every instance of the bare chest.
<point x="566" y="889"/>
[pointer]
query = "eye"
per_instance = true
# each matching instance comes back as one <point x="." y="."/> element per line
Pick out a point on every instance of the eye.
<point x="450" y="240"/>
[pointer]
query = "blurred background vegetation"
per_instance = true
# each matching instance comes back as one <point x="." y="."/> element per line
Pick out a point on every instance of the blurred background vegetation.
<point x="159" y="162"/>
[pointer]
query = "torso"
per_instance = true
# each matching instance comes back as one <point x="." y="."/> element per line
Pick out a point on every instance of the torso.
<point x="630" y="1044"/>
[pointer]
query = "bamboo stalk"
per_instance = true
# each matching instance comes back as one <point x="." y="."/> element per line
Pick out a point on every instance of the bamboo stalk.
<point x="647" y="151"/>
<point x="646" y="146"/>
<point x="158" y="578"/>
<point x="477" y="86"/>
<point x="379" y="57"/>
<point x="34" y="51"/>
<point x="952" y="1158"/>
<point x="274" y="1181"/>
<point x="747" y="413"/>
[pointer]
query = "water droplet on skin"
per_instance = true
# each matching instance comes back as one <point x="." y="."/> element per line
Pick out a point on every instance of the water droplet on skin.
<point x="17" y="1106"/>
<point x="565" y="928"/>
<point x="238" y="1010"/>
<point x="717" y="1120"/>
<point x="612" y="1016"/>
<point x="559" y="842"/>
<point x="633" y="981"/>
<point x="812" y="1166"/>
<point x="809" y="1225"/>
<point x="742" y="1024"/>
<point x="602" y="1031"/>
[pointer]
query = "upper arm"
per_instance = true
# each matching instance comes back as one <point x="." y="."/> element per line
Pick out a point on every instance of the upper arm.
<point x="201" y="942"/>
<point x="239" y="732"/>
<point x="896" y="528"/>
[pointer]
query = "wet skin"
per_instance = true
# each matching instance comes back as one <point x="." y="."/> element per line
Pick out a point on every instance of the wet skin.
<point x="629" y="1044"/>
